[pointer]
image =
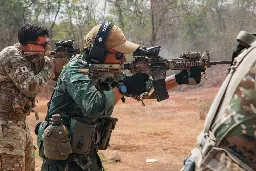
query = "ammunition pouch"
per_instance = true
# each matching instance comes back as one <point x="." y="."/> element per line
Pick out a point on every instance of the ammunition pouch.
<point x="81" y="136"/>
<point x="84" y="135"/>
<point x="39" y="132"/>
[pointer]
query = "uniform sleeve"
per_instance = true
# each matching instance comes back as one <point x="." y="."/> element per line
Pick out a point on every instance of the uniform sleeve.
<point x="19" y="71"/>
<point x="92" y="102"/>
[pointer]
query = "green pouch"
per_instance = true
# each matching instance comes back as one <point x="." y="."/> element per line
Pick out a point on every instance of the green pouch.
<point x="40" y="138"/>
<point x="81" y="136"/>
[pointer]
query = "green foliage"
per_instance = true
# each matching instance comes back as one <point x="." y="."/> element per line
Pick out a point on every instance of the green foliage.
<point x="176" y="25"/>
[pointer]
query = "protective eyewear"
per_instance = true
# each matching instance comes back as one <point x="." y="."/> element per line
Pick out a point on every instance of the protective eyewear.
<point x="44" y="45"/>
<point x="118" y="55"/>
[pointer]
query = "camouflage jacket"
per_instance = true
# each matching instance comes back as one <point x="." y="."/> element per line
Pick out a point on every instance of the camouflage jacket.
<point x="20" y="82"/>
<point x="230" y="125"/>
<point x="76" y="96"/>
<point x="239" y="120"/>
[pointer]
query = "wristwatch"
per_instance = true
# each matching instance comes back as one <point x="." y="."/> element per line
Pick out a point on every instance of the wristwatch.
<point x="123" y="89"/>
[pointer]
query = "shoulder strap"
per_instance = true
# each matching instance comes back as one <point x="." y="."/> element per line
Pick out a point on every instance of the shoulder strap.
<point x="215" y="107"/>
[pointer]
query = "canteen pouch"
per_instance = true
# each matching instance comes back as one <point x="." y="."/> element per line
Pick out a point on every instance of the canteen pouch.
<point x="56" y="142"/>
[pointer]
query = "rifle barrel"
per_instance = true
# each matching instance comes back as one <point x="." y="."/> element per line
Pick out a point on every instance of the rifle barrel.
<point x="220" y="62"/>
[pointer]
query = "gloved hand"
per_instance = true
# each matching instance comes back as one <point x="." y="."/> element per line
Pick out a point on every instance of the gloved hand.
<point x="191" y="77"/>
<point x="136" y="84"/>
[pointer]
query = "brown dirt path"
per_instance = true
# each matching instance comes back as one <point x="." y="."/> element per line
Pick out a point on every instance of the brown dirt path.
<point x="165" y="131"/>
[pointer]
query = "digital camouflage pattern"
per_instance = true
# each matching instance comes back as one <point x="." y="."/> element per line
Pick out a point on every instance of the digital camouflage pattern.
<point x="20" y="82"/>
<point x="76" y="96"/>
<point x="240" y="118"/>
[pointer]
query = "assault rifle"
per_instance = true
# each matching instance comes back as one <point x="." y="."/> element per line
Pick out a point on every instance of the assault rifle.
<point x="151" y="63"/>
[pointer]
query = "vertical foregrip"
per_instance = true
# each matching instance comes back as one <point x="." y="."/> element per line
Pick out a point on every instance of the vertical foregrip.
<point x="160" y="90"/>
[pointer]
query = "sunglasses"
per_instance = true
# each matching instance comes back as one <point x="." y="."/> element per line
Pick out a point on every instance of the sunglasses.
<point x="118" y="55"/>
<point x="44" y="45"/>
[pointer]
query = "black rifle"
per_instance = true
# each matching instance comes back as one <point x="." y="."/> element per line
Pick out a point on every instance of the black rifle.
<point x="151" y="63"/>
<point x="156" y="66"/>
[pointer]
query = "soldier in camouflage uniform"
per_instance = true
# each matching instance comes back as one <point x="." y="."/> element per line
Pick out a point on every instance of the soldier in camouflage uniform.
<point x="228" y="141"/>
<point x="76" y="97"/>
<point x="21" y="79"/>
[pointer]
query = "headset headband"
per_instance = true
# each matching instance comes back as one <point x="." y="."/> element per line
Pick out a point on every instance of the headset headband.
<point x="97" y="52"/>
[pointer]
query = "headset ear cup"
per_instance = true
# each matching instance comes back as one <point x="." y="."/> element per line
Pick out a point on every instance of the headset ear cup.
<point x="97" y="50"/>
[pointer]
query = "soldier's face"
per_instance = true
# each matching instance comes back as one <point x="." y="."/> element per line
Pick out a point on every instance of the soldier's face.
<point x="114" y="57"/>
<point x="40" y="45"/>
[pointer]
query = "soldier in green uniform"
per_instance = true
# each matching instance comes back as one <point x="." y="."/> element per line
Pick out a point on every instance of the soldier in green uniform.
<point x="86" y="106"/>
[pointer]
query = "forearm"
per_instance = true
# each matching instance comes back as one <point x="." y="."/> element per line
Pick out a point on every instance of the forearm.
<point x="117" y="94"/>
<point x="170" y="82"/>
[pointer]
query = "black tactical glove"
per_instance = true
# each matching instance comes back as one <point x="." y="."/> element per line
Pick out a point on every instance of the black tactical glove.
<point x="136" y="84"/>
<point x="192" y="77"/>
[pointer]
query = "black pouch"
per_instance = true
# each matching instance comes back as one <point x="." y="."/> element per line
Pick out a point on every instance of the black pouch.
<point x="107" y="125"/>
<point x="81" y="136"/>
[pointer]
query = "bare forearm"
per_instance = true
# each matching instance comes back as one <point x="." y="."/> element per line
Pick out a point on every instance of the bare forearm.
<point x="170" y="82"/>
<point x="117" y="94"/>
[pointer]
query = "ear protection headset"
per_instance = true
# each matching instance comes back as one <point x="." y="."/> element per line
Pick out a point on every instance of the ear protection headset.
<point x="96" y="54"/>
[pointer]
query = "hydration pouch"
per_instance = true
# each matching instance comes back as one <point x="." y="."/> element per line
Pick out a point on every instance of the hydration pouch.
<point x="107" y="125"/>
<point x="40" y="137"/>
<point x="82" y="136"/>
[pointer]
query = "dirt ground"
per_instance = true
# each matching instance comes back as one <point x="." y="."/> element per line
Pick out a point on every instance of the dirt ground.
<point x="165" y="131"/>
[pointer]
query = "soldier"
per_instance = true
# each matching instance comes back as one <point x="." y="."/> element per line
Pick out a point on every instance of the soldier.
<point x="86" y="105"/>
<point x="228" y="140"/>
<point x="21" y="79"/>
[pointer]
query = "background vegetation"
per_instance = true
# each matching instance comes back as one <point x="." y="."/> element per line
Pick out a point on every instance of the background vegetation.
<point x="176" y="25"/>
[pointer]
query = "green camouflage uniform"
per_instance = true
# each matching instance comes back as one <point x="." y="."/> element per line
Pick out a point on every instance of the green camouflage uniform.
<point x="75" y="96"/>
<point x="20" y="81"/>
<point x="228" y="141"/>
<point x="240" y="116"/>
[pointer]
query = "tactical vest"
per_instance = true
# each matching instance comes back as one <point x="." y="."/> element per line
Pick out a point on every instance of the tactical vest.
<point x="208" y="154"/>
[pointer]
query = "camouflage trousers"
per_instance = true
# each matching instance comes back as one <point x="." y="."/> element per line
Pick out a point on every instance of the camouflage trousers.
<point x="75" y="162"/>
<point x="16" y="147"/>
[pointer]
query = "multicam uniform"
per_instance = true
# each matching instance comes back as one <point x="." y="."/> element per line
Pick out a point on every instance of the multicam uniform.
<point x="228" y="141"/>
<point x="76" y="98"/>
<point x="20" y="82"/>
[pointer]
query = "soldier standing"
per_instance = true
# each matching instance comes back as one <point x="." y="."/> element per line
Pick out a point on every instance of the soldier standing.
<point x="228" y="140"/>
<point x="21" y="79"/>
